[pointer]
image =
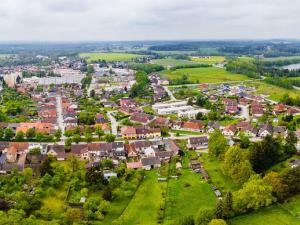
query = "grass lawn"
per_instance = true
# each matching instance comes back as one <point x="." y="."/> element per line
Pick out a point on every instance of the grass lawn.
<point x="273" y="215"/>
<point x="144" y="206"/>
<point x="210" y="60"/>
<point x="204" y="75"/>
<point x="218" y="178"/>
<point x="187" y="195"/>
<point x="183" y="132"/>
<point x="172" y="62"/>
<point x="293" y="205"/>
<point x="109" y="56"/>
<point x="275" y="93"/>
<point x="281" y="58"/>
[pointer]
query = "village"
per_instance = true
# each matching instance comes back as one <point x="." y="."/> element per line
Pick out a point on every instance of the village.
<point x="92" y="115"/>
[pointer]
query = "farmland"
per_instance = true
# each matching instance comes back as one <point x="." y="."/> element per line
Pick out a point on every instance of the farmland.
<point x="275" y="93"/>
<point x="209" y="60"/>
<point x="109" y="56"/>
<point x="205" y="75"/>
<point x="171" y="62"/>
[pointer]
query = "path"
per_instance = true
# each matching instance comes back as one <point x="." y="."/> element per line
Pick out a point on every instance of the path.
<point x="114" y="123"/>
<point x="245" y="112"/>
<point x="169" y="93"/>
<point x="60" y="119"/>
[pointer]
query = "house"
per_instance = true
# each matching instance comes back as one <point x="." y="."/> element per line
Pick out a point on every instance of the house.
<point x="231" y="106"/>
<point x="150" y="162"/>
<point x="14" y="150"/>
<point x="118" y="149"/>
<point x="293" y="111"/>
<point x="265" y="130"/>
<point x="140" y="132"/>
<point x="197" y="142"/>
<point x="108" y="175"/>
<point x="193" y="125"/>
<point x="130" y="150"/>
<point x="99" y="118"/>
<point x="280" y="108"/>
<point x="298" y="139"/>
<point x="141" y="118"/>
<point x="128" y="105"/>
<point x="134" y="165"/>
<point x="128" y="132"/>
<point x="57" y="151"/>
<point x="229" y="130"/>
<point x="212" y="126"/>
<point x="80" y="151"/>
<point x="249" y="131"/>
<point x="161" y="122"/>
<point x="280" y="131"/>
<point x="257" y="109"/>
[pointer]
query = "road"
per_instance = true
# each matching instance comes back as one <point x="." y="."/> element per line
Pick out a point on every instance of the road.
<point x="170" y="93"/>
<point x="114" y="123"/>
<point x="60" y="119"/>
<point x="245" y="112"/>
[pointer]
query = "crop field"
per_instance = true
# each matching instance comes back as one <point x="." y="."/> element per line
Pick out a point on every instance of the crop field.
<point x="205" y="75"/>
<point x="286" y="214"/>
<point x="109" y="56"/>
<point x="172" y="62"/>
<point x="275" y="93"/>
<point x="209" y="59"/>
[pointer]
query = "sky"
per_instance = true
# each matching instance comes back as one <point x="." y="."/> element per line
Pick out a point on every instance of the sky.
<point x="105" y="20"/>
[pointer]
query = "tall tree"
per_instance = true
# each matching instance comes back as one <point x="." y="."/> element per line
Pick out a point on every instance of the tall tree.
<point x="217" y="144"/>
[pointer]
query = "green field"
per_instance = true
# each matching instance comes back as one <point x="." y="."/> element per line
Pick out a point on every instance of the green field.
<point x="109" y="56"/>
<point x="171" y="62"/>
<point x="144" y="206"/>
<point x="281" y="58"/>
<point x="187" y="195"/>
<point x="205" y="75"/>
<point x="209" y="60"/>
<point x="285" y="214"/>
<point x="275" y="93"/>
<point x="218" y="178"/>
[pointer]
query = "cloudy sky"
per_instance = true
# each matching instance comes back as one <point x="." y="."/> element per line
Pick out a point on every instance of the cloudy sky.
<point x="96" y="20"/>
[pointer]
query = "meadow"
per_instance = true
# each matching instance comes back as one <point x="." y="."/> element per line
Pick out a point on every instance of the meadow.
<point x="209" y="60"/>
<point x="204" y="75"/>
<point x="168" y="62"/>
<point x="281" y="214"/>
<point x="109" y="56"/>
<point x="275" y="93"/>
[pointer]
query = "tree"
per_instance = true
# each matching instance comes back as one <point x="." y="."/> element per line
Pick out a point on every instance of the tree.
<point x="217" y="144"/>
<point x="107" y="194"/>
<point x="266" y="153"/>
<point x="110" y="138"/>
<point x="19" y="136"/>
<point x="185" y="220"/>
<point x="76" y="138"/>
<point x="73" y="215"/>
<point x="88" y="137"/>
<point x="92" y="93"/>
<point x="291" y="179"/>
<point x="46" y="167"/>
<point x="99" y="131"/>
<point x="236" y="165"/>
<point x="73" y="163"/>
<point x="290" y="145"/>
<point x="199" y="116"/>
<point x="217" y="222"/>
<point x="58" y="134"/>
<point x="227" y="209"/>
<point x="274" y="179"/>
<point x="256" y="193"/>
<point x="245" y="141"/>
<point x="220" y="213"/>
<point x="204" y="216"/>
<point x="8" y="134"/>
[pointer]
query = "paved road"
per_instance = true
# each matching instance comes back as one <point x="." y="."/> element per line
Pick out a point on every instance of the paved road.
<point x="60" y="119"/>
<point x="114" y="123"/>
<point x="169" y="93"/>
<point x="245" y="112"/>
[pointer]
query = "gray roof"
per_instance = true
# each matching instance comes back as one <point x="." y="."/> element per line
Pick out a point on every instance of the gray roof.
<point x="150" y="161"/>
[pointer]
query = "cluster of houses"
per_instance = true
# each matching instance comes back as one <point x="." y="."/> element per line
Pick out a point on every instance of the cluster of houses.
<point x="140" y="154"/>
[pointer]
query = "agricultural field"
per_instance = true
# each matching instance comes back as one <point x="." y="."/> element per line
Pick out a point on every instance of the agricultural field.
<point x="172" y="62"/>
<point x="286" y="213"/>
<point x="208" y="60"/>
<point x="275" y="93"/>
<point x="205" y="75"/>
<point x="4" y="56"/>
<point x="109" y="56"/>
